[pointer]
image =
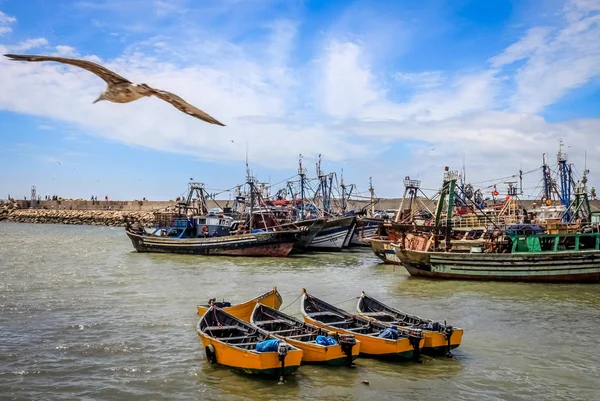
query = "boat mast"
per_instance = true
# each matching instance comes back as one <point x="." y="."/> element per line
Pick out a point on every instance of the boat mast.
<point x="372" y="192"/>
<point x="196" y="188"/>
<point x="521" y="180"/>
<point x="302" y="175"/>
<point x="329" y="189"/>
<point x="565" y="180"/>
<point x="582" y="201"/>
<point x="249" y="181"/>
<point x="322" y="186"/>
<point x="546" y="174"/>
<point x="343" y="193"/>
<point x="411" y="187"/>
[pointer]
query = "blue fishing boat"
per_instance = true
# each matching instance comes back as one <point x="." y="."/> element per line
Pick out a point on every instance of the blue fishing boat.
<point x="193" y="230"/>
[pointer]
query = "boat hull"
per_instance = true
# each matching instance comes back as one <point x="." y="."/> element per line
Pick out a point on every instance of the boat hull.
<point x="244" y="310"/>
<point x="376" y="347"/>
<point x="365" y="228"/>
<point x="273" y="244"/>
<point x="313" y="226"/>
<point x="252" y="362"/>
<point x="333" y="235"/>
<point x="318" y="354"/>
<point x="435" y="341"/>
<point x="383" y="250"/>
<point x="303" y="336"/>
<point x="558" y="267"/>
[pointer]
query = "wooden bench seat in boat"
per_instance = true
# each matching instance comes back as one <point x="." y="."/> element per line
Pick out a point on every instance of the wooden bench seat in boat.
<point x="261" y="322"/>
<point x="213" y="328"/>
<point x="302" y="335"/>
<point x="284" y="331"/>
<point x="341" y="322"/>
<point x="357" y="328"/>
<point x="233" y="338"/>
<point x="375" y="314"/>
<point x="314" y="314"/>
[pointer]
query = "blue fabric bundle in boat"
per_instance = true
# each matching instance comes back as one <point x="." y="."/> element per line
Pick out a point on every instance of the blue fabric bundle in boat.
<point x="322" y="340"/>
<point x="267" y="346"/>
<point x="390" y="332"/>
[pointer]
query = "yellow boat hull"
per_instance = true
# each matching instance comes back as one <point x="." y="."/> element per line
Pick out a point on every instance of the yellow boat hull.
<point x="434" y="342"/>
<point x="318" y="354"/>
<point x="252" y="362"/>
<point x="244" y="310"/>
<point x="384" y="348"/>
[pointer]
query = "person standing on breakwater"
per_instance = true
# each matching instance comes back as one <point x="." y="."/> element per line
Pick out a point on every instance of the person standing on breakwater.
<point x="106" y="198"/>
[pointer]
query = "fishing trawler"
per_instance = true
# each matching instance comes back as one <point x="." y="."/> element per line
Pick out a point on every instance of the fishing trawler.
<point x="523" y="252"/>
<point x="191" y="229"/>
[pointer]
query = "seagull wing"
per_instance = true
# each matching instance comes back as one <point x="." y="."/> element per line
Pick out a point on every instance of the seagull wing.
<point x="110" y="77"/>
<point x="184" y="106"/>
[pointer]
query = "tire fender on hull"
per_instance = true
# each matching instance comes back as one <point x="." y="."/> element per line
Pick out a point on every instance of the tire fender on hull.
<point x="211" y="354"/>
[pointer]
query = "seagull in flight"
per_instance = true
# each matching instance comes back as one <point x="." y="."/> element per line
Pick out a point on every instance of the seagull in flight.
<point x="121" y="90"/>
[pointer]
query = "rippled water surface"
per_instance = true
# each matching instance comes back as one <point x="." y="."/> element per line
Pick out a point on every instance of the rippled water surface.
<point x="83" y="316"/>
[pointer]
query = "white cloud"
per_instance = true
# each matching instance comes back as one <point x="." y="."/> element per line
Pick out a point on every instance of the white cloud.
<point x="556" y="60"/>
<point x="65" y="51"/>
<point x="336" y="104"/>
<point x="29" y="44"/>
<point x="421" y="80"/>
<point x="348" y="86"/>
<point x="531" y="42"/>
<point x="5" y="21"/>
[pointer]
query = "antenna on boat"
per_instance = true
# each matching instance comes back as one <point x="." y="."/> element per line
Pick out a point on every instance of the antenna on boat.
<point x="343" y="192"/>
<point x="464" y="172"/>
<point x="521" y="180"/>
<point x="301" y="173"/>
<point x="319" y="173"/>
<point x="372" y="192"/>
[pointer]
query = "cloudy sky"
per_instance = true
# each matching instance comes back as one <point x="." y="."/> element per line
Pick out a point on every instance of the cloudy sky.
<point x="380" y="89"/>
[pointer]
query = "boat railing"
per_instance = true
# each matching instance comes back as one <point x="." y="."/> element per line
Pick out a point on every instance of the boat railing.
<point x="481" y="221"/>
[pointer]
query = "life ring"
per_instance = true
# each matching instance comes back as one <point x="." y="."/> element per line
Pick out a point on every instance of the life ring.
<point x="204" y="229"/>
<point x="211" y="355"/>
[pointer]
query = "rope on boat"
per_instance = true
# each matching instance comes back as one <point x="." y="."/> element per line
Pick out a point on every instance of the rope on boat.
<point x="347" y="300"/>
<point x="299" y="296"/>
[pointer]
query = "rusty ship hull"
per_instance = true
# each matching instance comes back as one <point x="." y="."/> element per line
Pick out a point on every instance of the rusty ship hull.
<point x="273" y="244"/>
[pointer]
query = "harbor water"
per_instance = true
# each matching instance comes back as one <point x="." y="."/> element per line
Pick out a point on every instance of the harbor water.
<point x="83" y="316"/>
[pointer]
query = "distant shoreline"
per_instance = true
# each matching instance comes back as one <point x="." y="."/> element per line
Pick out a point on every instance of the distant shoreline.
<point x="114" y="213"/>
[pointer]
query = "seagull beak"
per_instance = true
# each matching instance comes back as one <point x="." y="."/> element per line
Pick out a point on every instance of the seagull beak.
<point x="99" y="98"/>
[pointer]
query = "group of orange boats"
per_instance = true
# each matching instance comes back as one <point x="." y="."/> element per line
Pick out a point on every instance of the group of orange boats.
<point x="256" y="337"/>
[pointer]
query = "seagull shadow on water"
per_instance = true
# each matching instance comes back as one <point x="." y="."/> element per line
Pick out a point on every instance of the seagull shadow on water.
<point x="121" y="90"/>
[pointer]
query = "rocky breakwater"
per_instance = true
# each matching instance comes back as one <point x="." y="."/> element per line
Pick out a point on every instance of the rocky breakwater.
<point x="82" y="217"/>
<point x="6" y="208"/>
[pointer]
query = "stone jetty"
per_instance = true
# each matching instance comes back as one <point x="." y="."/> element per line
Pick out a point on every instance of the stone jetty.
<point x="10" y="211"/>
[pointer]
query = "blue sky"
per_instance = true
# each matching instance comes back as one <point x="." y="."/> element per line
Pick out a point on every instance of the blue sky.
<point x="380" y="89"/>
